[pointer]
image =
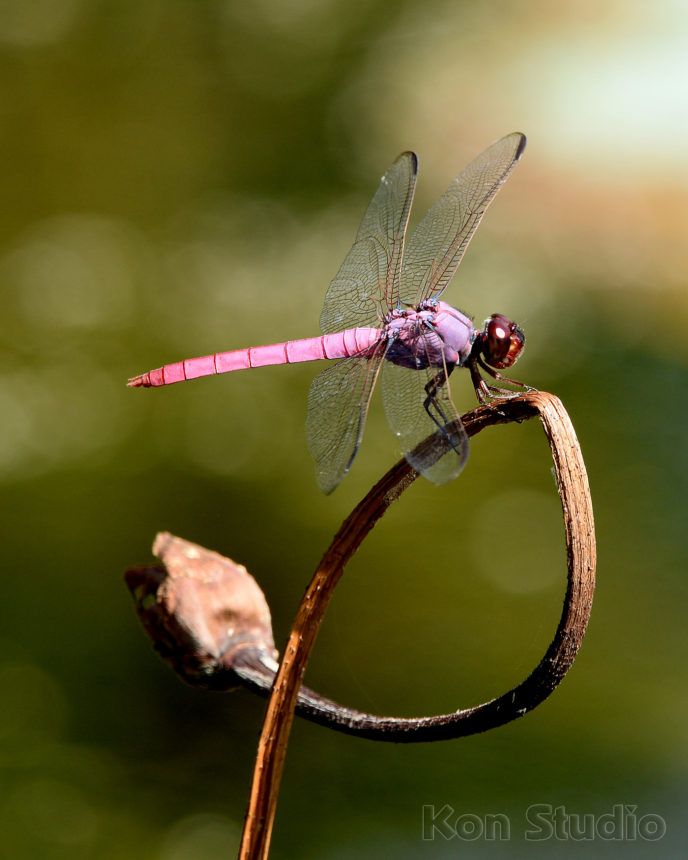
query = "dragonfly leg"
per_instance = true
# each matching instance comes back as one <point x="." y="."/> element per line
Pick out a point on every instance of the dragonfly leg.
<point x="433" y="405"/>
<point x="482" y="390"/>
<point x="431" y="390"/>
<point x="485" y="392"/>
<point x="493" y="373"/>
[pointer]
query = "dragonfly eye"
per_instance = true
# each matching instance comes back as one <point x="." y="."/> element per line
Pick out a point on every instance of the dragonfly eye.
<point x="503" y="341"/>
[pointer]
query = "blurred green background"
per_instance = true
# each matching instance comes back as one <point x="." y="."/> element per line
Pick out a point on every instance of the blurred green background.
<point x="186" y="177"/>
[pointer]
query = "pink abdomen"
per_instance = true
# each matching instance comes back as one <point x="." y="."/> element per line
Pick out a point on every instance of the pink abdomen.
<point x="338" y="345"/>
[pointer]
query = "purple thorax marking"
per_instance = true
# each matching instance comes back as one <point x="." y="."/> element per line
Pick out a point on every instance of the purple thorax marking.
<point x="435" y="335"/>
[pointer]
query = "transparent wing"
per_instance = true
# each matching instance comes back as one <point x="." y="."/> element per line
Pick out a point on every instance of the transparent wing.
<point x="404" y="394"/>
<point x="367" y="284"/>
<point x="436" y="247"/>
<point x="338" y="403"/>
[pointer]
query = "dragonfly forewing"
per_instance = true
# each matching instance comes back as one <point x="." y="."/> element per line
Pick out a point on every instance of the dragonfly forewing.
<point x="437" y="245"/>
<point x="367" y="284"/>
<point x="416" y="411"/>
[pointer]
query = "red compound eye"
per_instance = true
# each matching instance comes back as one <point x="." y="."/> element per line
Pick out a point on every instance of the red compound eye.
<point x="503" y="341"/>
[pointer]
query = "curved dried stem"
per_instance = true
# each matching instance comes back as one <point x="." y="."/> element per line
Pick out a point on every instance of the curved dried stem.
<point x="580" y="542"/>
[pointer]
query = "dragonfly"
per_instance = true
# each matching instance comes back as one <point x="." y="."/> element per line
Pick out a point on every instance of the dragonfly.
<point x="383" y="314"/>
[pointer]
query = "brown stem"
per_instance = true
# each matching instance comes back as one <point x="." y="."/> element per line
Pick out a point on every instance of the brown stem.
<point x="580" y="542"/>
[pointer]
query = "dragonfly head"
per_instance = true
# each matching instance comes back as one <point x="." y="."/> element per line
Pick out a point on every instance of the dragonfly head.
<point x="501" y="341"/>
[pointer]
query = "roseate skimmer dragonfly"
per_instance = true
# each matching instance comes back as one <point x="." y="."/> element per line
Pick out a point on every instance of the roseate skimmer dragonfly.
<point x="382" y="311"/>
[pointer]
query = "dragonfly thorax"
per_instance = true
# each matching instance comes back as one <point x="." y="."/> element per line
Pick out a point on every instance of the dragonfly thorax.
<point x="433" y="335"/>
